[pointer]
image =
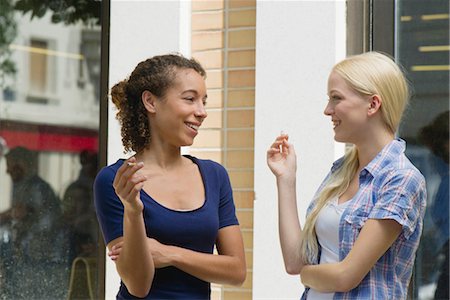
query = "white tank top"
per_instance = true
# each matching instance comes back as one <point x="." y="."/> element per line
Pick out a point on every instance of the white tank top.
<point x="327" y="230"/>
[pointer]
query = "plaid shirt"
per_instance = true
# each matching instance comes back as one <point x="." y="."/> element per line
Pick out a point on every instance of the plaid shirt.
<point x="390" y="187"/>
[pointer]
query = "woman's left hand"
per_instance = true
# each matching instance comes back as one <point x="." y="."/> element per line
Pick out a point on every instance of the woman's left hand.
<point x="160" y="253"/>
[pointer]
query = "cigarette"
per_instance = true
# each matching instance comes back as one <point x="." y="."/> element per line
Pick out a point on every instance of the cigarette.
<point x="130" y="164"/>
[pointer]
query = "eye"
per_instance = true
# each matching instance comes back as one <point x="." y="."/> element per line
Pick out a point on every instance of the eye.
<point x="334" y="98"/>
<point x="189" y="98"/>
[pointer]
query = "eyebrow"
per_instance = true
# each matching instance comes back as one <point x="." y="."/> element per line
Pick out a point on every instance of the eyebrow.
<point x="193" y="91"/>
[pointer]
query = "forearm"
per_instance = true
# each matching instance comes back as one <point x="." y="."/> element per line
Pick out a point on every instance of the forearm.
<point x="325" y="278"/>
<point x="290" y="231"/>
<point x="135" y="264"/>
<point x="223" y="269"/>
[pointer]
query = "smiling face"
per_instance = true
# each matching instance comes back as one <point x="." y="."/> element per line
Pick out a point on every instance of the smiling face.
<point x="179" y="114"/>
<point x="348" y="110"/>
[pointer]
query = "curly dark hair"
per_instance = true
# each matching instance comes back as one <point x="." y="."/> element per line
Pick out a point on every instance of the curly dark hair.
<point x="155" y="75"/>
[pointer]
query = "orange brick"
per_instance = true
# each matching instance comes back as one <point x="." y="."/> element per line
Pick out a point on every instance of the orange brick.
<point x="247" y="236"/>
<point x="242" y="18"/>
<point x="199" y="5"/>
<point x="215" y="98"/>
<point x="207" y="20"/>
<point x="237" y="295"/>
<point x="240" y="138"/>
<point x="241" y="98"/>
<point x="241" y="179"/>
<point x="245" y="219"/>
<point x="211" y="59"/>
<point x="205" y="40"/>
<point x="208" y="139"/>
<point x="241" y="78"/>
<point x="241" y="58"/>
<point x="241" y="3"/>
<point x="243" y="199"/>
<point x="241" y="118"/>
<point x="240" y="159"/>
<point x="242" y="38"/>
<point x="214" y="79"/>
<point x="214" y="120"/>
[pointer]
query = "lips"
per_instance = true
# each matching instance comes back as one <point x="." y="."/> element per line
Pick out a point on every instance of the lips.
<point x="193" y="126"/>
<point x="336" y="123"/>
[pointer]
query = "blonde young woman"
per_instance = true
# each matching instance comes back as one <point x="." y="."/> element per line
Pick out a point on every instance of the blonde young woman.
<point x="161" y="213"/>
<point x="364" y="224"/>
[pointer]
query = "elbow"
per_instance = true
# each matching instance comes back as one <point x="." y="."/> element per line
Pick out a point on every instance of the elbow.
<point x="139" y="286"/>
<point x="239" y="277"/>
<point x="139" y="292"/>
<point x="346" y="283"/>
<point x="141" y="289"/>
<point x="292" y="270"/>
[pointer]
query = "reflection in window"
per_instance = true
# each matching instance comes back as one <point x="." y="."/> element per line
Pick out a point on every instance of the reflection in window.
<point x="38" y="67"/>
<point x="49" y="150"/>
<point x="423" y="49"/>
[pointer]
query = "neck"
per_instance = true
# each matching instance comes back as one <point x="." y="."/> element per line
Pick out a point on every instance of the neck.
<point x="156" y="155"/>
<point x="368" y="149"/>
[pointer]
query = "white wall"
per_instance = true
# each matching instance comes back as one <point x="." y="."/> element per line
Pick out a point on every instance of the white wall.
<point x="139" y="30"/>
<point x="297" y="44"/>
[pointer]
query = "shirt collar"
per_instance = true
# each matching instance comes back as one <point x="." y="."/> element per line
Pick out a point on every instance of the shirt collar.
<point x="383" y="158"/>
<point x="389" y="153"/>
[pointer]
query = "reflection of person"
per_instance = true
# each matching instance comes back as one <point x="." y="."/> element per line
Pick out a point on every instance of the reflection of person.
<point x="364" y="224"/>
<point x="38" y="254"/>
<point x="160" y="208"/>
<point x="78" y="207"/>
<point x="436" y="137"/>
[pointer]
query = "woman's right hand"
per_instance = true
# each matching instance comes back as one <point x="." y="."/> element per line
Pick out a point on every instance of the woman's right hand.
<point x="281" y="158"/>
<point x="128" y="184"/>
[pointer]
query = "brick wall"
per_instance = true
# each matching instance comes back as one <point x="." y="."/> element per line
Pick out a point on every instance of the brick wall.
<point x="223" y="40"/>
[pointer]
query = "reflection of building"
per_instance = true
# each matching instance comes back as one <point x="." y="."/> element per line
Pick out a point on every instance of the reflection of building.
<point x="52" y="103"/>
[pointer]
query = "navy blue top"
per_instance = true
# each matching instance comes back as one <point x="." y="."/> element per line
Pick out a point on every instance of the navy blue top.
<point x="195" y="229"/>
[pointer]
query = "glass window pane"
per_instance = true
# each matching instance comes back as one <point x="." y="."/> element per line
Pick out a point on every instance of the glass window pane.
<point x="422" y="47"/>
<point x="49" y="123"/>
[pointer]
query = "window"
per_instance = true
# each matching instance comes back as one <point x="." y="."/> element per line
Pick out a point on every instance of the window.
<point x="49" y="145"/>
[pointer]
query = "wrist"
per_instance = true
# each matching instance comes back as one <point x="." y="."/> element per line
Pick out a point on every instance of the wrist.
<point x="288" y="181"/>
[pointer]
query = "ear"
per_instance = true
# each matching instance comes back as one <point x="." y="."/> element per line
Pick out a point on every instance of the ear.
<point x="374" y="105"/>
<point x="149" y="100"/>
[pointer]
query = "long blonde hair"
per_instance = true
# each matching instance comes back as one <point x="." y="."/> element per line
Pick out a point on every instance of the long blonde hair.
<point x="370" y="73"/>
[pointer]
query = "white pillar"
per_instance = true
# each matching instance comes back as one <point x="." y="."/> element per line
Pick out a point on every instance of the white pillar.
<point x="139" y="30"/>
<point x="297" y="44"/>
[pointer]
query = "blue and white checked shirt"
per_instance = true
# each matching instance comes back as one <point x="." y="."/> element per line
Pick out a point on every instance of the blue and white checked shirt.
<point x="390" y="187"/>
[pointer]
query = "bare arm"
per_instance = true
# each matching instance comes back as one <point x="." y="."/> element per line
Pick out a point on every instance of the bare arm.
<point x="226" y="268"/>
<point x="283" y="165"/>
<point x="135" y="264"/>
<point x="374" y="240"/>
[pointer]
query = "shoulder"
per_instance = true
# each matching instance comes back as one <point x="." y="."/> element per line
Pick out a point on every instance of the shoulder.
<point x="208" y="165"/>
<point x="402" y="170"/>
<point x="107" y="174"/>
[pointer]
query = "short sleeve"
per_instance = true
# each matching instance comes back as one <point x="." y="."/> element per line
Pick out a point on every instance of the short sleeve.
<point x="108" y="207"/>
<point x="227" y="210"/>
<point x="402" y="198"/>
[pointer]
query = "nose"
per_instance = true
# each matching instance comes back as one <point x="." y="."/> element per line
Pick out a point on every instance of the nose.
<point x="328" y="109"/>
<point x="201" y="111"/>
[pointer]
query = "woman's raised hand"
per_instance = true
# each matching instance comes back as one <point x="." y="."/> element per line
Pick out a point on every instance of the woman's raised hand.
<point x="281" y="157"/>
<point x="128" y="184"/>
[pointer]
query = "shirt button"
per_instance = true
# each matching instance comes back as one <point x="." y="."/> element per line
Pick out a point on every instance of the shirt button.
<point x="363" y="172"/>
